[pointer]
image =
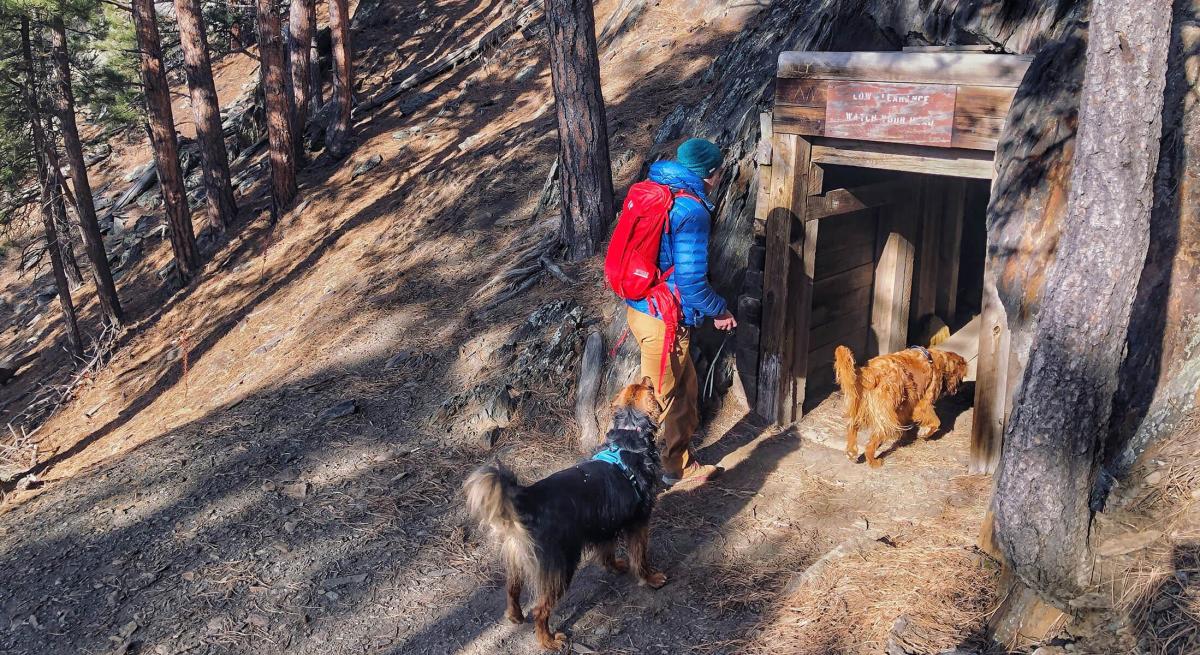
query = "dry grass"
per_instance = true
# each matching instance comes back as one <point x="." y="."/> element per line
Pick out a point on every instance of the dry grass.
<point x="925" y="591"/>
<point x="1157" y="590"/>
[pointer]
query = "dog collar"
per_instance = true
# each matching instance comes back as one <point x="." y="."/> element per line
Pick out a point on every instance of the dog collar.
<point x="924" y="351"/>
<point x="612" y="456"/>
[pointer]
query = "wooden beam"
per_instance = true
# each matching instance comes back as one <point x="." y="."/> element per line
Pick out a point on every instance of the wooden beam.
<point x="924" y="302"/>
<point x="893" y="279"/>
<point x="801" y="274"/>
<point x="790" y="162"/>
<point x="991" y="381"/>
<point x="978" y="69"/>
<point x="954" y="162"/>
<point x="950" y="248"/>
<point x="762" y="201"/>
<point x="845" y="201"/>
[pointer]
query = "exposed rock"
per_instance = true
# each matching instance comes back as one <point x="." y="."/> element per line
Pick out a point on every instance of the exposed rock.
<point x="366" y="166"/>
<point x="343" y="408"/>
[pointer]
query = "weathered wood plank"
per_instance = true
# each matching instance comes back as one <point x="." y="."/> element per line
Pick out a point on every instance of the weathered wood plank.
<point x="976" y="132"/>
<point x="893" y="278"/>
<point x="831" y="261"/>
<point x="979" y="69"/>
<point x="789" y="165"/>
<point x="844" y="282"/>
<point x="924" y="300"/>
<point x="984" y="100"/>
<point x="840" y="305"/>
<point x="949" y="248"/>
<point x="991" y="381"/>
<point x="762" y="200"/>
<point x="955" y="162"/>
<point x="844" y="201"/>
<point x="842" y="328"/>
<point x="800" y="91"/>
<point x="801" y="274"/>
<point x="794" y="119"/>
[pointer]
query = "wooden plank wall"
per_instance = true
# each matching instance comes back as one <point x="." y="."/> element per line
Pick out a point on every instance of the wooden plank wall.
<point x="842" y="281"/>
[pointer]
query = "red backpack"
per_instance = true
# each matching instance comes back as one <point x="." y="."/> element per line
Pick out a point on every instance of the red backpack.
<point x="631" y="264"/>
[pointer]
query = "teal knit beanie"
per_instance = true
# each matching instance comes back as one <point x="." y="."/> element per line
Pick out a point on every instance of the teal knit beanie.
<point x="700" y="156"/>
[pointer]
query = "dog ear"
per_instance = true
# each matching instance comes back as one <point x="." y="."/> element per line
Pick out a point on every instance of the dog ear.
<point x="647" y="382"/>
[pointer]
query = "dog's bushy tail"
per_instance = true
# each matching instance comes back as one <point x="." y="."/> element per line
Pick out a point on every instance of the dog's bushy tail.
<point x="847" y="378"/>
<point x="865" y="401"/>
<point x="490" y="493"/>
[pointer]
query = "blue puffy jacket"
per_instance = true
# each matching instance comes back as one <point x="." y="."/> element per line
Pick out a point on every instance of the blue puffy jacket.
<point x="686" y="247"/>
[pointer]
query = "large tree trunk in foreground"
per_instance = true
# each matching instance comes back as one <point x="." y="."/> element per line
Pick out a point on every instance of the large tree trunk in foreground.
<point x="93" y="241"/>
<point x="1060" y="416"/>
<point x="587" y="189"/>
<point x="300" y="37"/>
<point x="163" y="140"/>
<point x="337" y="139"/>
<point x="206" y="109"/>
<point x="279" y="124"/>
<point x="48" y="179"/>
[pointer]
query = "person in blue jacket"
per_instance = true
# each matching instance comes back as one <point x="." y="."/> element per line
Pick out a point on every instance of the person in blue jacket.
<point x="695" y="171"/>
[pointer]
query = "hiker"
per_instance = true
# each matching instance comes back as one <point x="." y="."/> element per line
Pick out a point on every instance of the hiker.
<point x="683" y="265"/>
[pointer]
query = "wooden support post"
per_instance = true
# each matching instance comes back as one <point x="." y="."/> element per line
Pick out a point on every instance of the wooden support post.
<point x="800" y="292"/>
<point x="949" y="249"/>
<point x="924" y="302"/>
<point x="790" y="163"/>
<point x="992" y="384"/>
<point x="892" y="293"/>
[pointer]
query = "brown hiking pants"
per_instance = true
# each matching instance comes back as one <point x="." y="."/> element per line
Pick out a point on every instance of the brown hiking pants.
<point x="679" y="394"/>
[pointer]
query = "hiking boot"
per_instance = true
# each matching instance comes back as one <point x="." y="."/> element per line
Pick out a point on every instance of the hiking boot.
<point x="695" y="472"/>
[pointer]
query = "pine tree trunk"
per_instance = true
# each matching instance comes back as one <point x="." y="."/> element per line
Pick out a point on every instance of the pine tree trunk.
<point x="315" y="86"/>
<point x="279" y="125"/>
<point x="300" y="36"/>
<point x="164" y="142"/>
<point x="93" y="241"/>
<point x="587" y="188"/>
<point x="1061" y="412"/>
<point x="63" y="225"/>
<point x="47" y="179"/>
<point x="338" y="138"/>
<point x="206" y="109"/>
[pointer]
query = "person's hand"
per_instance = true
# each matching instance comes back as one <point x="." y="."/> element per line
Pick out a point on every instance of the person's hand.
<point x="725" y="322"/>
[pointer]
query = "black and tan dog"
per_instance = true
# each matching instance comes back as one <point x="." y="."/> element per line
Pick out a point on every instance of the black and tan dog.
<point x="545" y="529"/>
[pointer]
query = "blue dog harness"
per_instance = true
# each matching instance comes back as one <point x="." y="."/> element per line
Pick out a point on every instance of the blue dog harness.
<point x="612" y="455"/>
<point x="924" y="351"/>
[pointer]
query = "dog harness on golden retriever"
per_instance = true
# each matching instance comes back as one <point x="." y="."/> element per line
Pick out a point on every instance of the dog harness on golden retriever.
<point x="612" y="455"/>
<point x="924" y="351"/>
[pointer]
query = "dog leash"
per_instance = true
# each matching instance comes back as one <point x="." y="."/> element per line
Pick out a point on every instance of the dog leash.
<point x="710" y="375"/>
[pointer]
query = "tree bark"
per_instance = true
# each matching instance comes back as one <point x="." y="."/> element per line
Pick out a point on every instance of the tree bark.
<point x="315" y="88"/>
<point x="1053" y="442"/>
<point x="63" y="225"/>
<point x="89" y="226"/>
<point x="300" y="37"/>
<point x="338" y="138"/>
<point x="48" y="178"/>
<point x="207" y="111"/>
<point x="163" y="140"/>
<point x="587" y="189"/>
<point x="279" y="124"/>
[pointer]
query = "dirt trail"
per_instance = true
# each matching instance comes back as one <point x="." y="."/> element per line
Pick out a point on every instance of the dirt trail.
<point x="225" y="511"/>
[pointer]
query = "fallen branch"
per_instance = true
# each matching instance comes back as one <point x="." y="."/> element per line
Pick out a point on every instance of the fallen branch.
<point x="585" y="397"/>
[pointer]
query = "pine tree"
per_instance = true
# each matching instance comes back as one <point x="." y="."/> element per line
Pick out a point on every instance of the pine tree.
<point x="164" y="142"/>
<point x="89" y="226"/>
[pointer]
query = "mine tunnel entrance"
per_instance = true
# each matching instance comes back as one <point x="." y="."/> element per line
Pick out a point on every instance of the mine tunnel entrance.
<point x="871" y="218"/>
